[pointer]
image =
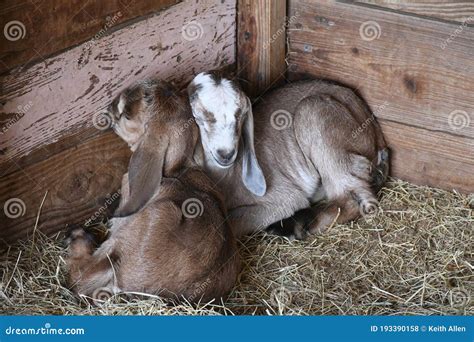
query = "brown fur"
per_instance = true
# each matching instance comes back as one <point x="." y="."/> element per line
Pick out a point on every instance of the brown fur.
<point x="332" y="156"/>
<point x="160" y="247"/>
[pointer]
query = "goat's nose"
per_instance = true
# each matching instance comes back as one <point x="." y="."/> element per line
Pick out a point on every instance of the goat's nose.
<point x="225" y="154"/>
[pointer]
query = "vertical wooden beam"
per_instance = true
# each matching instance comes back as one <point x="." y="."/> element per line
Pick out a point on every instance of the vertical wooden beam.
<point x="261" y="43"/>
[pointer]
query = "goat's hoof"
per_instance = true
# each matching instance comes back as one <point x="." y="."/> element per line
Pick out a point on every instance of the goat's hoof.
<point x="73" y="232"/>
<point x="80" y="243"/>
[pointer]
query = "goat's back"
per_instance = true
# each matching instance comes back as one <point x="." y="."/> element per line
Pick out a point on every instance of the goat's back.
<point x="180" y="244"/>
<point x="288" y="97"/>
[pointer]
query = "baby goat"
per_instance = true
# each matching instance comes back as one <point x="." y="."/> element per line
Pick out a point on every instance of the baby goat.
<point x="170" y="236"/>
<point x="309" y="149"/>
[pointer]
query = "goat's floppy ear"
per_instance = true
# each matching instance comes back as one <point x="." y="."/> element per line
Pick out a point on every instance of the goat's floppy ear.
<point x="144" y="175"/>
<point x="252" y="174"/>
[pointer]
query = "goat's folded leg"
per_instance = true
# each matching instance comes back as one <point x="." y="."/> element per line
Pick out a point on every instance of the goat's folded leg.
<point x="339" y="211"/>
<point x="319" y="217"/>
<point x="342" y="210"/>
<point x="296" y="226"/>
<point x="313" y="220"/>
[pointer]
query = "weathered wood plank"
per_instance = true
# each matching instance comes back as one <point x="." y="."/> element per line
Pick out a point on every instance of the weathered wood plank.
<point x="404" y="68"/>
<point x="54" y="25"/>
<point x="80" y="181"/>
<point x="430" y="158"/>
<point x="405" y="65"/>
<point x="48" y="150"/>
<point x="261" y="43"/>
<point x="452" y="10"/>
<point x="57" y="98"/>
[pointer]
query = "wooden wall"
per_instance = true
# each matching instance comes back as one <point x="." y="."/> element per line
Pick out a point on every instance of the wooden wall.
<point x="38" y="29"/>
<point x="413" y="64"/>
<point x="50" y="139"/>
<point x="451" y="10"/>
<point x="416" y="73"/>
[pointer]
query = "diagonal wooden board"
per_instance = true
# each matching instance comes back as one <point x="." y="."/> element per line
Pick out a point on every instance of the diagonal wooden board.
<point x="38" y="29"/>
<point x="42" y="103"/>
<point x="53" y="146"/>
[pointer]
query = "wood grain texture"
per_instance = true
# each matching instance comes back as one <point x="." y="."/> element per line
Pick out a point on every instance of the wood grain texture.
<point x="59" y="97"/>
<point x="430" y="158"/>
<point x="261" y="39"/>
<point x="79" y="183"/>
<point x="420" y="84"/>
<point x="452" y="10"/>
<point x="54" y="25"/>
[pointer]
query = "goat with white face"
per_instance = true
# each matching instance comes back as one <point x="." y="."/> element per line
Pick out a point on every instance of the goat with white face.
<point x="321" y="165"/>
<point x="224" y="117"/>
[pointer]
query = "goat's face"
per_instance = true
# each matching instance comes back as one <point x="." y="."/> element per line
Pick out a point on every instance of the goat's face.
<point x="217" y="106"/>
<point x="224" y="116"/>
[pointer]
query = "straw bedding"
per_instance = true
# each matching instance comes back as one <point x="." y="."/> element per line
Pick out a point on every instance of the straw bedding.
<point x="416" y="256"/>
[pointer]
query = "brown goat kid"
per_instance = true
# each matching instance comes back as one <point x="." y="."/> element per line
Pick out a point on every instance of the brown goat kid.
<point x="169" y="235"/>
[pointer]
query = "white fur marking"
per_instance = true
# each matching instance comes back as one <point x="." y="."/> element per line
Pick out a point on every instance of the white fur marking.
<point x="121" y="104"/>
<point x="222" y="101"/>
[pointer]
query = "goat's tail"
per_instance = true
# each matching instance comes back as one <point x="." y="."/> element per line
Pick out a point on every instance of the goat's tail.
<point x="380" y="172"/>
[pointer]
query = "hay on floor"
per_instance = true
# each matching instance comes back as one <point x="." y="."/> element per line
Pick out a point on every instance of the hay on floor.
<point x="416" y="256"/>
